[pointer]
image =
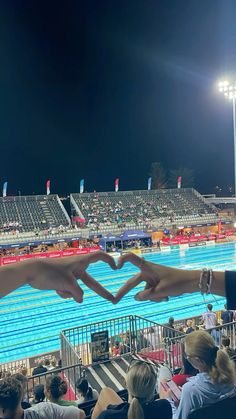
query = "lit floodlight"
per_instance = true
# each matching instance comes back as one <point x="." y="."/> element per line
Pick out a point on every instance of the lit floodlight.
<point x="234" y="224"/>
<point x="228" y="89"/>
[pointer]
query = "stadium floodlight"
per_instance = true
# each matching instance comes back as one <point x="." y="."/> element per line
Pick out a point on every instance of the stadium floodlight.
<point x="229" y="91"/>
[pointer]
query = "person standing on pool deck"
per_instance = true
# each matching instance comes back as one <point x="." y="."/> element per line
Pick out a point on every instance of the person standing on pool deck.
<point x="209" y="318"/>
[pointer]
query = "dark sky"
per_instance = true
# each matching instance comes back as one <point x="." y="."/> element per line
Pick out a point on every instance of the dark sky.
<point x="98" y="89"/>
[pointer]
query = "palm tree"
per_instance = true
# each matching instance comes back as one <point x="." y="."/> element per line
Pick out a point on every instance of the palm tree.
<point x="158" y="175"/>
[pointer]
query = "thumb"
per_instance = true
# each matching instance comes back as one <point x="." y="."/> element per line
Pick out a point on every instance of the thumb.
<point x="152" y="294"/>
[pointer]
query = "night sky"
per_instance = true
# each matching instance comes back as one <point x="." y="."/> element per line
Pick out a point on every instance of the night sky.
<point x="99" y="89"/>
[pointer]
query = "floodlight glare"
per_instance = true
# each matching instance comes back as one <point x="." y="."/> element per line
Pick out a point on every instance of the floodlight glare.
<point x="229" y="91"/>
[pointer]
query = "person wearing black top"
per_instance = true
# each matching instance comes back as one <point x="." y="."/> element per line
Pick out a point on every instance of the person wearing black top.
<point x="40" y="369"/>
<point x="141" y="383"/>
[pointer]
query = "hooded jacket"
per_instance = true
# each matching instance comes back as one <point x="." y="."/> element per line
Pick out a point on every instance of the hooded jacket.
<point x="200" y="391"/>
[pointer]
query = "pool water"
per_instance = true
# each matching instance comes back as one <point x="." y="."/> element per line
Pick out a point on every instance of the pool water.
<point x="31" y="320"/>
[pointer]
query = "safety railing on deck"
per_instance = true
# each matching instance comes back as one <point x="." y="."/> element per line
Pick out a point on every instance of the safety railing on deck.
<point x="98" y="342"/>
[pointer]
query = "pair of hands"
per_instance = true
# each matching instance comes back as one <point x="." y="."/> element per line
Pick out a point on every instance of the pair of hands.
<point x="62" y="276"/>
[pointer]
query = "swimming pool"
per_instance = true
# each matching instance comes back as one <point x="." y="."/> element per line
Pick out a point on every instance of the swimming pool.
<point x="31" y="320"/>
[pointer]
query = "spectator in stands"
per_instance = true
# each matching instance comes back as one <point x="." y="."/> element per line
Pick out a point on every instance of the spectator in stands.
<point x="226" y="315"/>
<point x="209" y="318"/>
<point x="169" y="333"/>
<point x="86" y="392"/>
<point x="216" y="378"/>
<point x="141" y="382"/>
<point x="190" y="328"/>
<point x="39" y="395"/>
<point x="10" y="405"/>
<point x="225" y="342"/>
<point x="49" y="364"/>
<point x="117" y="348"/>
<point x="186" y="371"/>
<point x="56" y="389"/>
<point x="40" y="369"/>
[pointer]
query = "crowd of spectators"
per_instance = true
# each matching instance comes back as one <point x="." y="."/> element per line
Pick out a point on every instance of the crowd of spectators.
<point x="207" y="376"/>
<point x="140" y="208"/>
<point x="12" y="227"/>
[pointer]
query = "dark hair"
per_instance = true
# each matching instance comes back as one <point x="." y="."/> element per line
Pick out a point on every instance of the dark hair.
<point x="225" y="341"/>
<point x="10" y="393"/>
<point x="22" y="380"/>
<point x="171" y="319"/>
<point x="83" y="386"/>
<point x="210" y="306"/>
<point x="187" y="368"/>
<point x="39" y="395"/>
<point x="56" y="386"/>
<point x="47" y="362"/>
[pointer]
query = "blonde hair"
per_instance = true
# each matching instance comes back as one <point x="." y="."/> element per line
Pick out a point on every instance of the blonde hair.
<point x="200" y="344"/>
<point x="141" y="382"/>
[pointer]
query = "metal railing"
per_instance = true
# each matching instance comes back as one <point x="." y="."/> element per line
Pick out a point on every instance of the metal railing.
<point x="176" y="343"/>
<point x="126" y="335"/>
<point x="69" y="374"/>
<point x="79" y="339"/>
<point x="69" y="356"/>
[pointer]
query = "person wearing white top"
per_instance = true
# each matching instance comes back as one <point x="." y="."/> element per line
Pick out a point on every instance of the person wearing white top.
<point x="209" y="318"/>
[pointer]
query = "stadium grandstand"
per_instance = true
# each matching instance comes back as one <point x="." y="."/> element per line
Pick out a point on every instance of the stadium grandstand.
<point x="44" y="335"/>
<point x="108" y="211"/>
<point x="32" y="213"/>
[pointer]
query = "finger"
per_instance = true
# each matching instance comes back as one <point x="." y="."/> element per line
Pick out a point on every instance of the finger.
<point x="151" y="294"/>
<point x="104" y="257"/>
<point x="75" y="290"/>
<point x="96" y="287"/>
<point x="64" y="294"/>
<point x="129" y="285"/>
<point x="132" y="258"/>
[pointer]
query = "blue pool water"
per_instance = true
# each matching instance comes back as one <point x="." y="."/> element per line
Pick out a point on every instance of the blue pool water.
<point x="31" y="320"/>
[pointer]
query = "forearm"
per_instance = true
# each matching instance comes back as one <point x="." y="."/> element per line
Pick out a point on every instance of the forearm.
<point x="218" y="282"/>
<point x="13" y="276"/>
<point x="179" y="281"/>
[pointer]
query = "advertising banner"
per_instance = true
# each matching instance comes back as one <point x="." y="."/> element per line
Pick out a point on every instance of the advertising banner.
<point x="100" y="346"/>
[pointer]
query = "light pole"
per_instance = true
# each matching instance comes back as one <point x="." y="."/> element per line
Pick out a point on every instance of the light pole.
<point x="229" y="90"/>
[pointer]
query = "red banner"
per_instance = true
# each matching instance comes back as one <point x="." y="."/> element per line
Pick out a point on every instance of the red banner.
<point x="7" y="260"/>
<point x="179" y="182"/>
<point x="48" y="186"/>
<point x="116" y="185"/>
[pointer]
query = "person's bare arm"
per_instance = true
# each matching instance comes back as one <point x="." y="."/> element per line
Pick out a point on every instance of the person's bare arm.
<point x="163" y="281"/>
<point x="60" y="275"/>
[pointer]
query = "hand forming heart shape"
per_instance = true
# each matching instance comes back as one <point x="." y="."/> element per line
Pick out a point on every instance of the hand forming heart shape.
<point x="62" y="276"/>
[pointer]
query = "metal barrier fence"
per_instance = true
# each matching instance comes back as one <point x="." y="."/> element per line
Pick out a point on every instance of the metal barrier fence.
<point x="82" y="340"/>
<point x="123" y="335"/>
<point x="70" y="374"/>
<point x="176" y="343"/>
<point x="69" y="356"/>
